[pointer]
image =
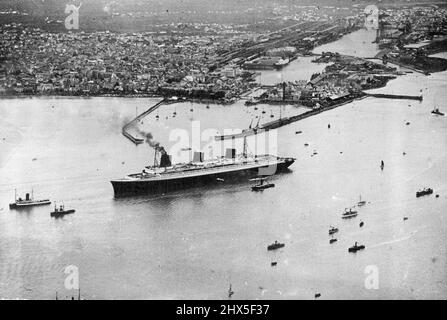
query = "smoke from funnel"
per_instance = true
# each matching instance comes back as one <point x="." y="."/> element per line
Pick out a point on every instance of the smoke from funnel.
<point x="150" y="141"/>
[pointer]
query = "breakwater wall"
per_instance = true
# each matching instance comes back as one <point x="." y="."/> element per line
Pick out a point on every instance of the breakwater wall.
<point x="394" y="96"/>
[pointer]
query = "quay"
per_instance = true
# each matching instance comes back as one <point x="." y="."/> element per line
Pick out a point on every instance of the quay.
<point x="284" y="121"/>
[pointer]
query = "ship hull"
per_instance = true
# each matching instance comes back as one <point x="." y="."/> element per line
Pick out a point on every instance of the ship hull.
<point x="28" y="205"/>
<point x="123" y="188"/>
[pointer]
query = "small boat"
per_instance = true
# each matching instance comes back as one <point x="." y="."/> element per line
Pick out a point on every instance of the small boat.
<point x="361" y="224"/>
<point x="333" y="230"/>
<point x="424" y="192"/>
<point x="230" y="292"/>
<point x="250" y="103"/>
<point x="274" y="263"/>
<point x="437" y="112"/>
<point x="356" y="247"/>
<point x="275" y="245"/>
<point x="298" y="132"/>
<point x="261" y="186"/>
<point x="361" y="202"/>
<point x="27" y="202"/>
<point x="185" y="149"/>
<point x="58" y="212"/>
<point x="405" y="218"/>
<point x="332" y="241"/>
<point x="349" y="214"/>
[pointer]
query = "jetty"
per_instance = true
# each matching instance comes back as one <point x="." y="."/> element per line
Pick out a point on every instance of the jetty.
<point x="133" y="137"/>
<point x="394" y="96"/>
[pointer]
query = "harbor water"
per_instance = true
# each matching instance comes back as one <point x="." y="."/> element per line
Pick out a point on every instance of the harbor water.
<point x="194" y="244"/>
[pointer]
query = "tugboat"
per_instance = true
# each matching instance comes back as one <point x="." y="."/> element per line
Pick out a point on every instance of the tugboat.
<point x="275" y="245"/>
<point x="27" y="202"/>
<point x="437" y="112"/>
<point x="349" y="214"/>
<point x="261" y="186"/>
<point x="356" y="248"/>
<point x="333" y="230"/>
<point x="424" y="192"/>
<point x="59" y="212"/>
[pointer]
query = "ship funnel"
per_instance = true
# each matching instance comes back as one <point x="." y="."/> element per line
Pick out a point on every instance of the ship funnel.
<point x="27" y="196"/>
<point x="198" y="157"/>
<point x="230" y="153"/>
<point x="165" y="160"/>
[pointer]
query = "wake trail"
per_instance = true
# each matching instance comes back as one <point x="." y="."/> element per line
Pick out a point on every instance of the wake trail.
<point x="393" y="241"/>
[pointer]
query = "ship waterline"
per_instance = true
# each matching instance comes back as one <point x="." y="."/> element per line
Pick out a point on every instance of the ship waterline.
<point x="198" y="174"/>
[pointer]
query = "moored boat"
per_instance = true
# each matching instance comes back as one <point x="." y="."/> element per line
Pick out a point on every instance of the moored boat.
<point x="333" y="230"/>
<point x="437" y="112"/>
<point x="424" y="192"/>
<point x="275" y="245"/>
<point x="349" y="214"/>
<point x="361" y="202"/>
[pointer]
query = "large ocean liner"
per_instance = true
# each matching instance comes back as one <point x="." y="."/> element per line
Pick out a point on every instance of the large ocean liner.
<point x="164" y="177"/>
